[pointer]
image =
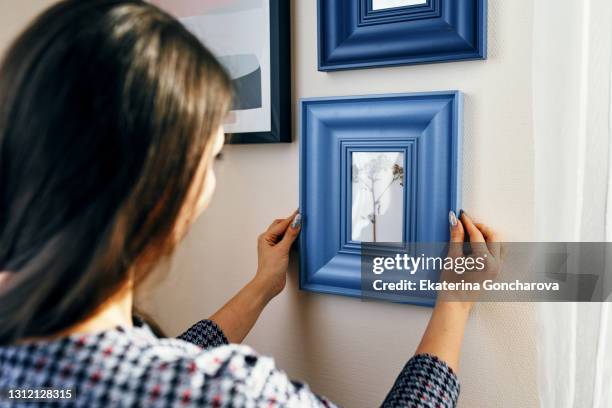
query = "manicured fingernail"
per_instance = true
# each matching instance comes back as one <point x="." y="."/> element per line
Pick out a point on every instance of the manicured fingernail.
<point x="452" y="218"/>
<point x="297" y="221"/>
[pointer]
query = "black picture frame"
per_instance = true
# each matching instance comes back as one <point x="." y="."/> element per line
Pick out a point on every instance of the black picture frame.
<point x="280" y="81"/>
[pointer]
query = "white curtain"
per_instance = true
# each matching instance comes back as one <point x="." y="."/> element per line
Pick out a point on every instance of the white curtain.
<point x="572" y="105"/>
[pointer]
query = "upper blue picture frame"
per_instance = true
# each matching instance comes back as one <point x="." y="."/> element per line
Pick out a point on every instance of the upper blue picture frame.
<point x="422" y="130"/>
<point x="353" y="34"/>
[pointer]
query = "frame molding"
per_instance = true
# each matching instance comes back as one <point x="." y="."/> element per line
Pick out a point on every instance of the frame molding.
<point x="426" y="127"/>
<point x="353" y="35"/>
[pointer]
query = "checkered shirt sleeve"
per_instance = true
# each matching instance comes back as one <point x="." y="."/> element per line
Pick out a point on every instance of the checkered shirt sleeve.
<point x="425" y="381"/>
<point x="205" y="334"/>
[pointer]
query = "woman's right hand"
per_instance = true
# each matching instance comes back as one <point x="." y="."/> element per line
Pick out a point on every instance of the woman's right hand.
<point x="444" y="333"/>
<point x="484" y="245"/>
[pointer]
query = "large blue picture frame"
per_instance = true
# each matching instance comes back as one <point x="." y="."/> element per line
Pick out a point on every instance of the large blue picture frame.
<point x="352" y="34"/>
<point x="425" y="127"/>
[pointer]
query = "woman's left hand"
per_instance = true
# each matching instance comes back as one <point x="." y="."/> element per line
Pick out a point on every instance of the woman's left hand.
<point x="237" y="317"/>
<point x="273" y="248"/>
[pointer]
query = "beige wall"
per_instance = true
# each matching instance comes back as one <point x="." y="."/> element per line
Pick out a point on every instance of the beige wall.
<point x="346" y="349"/>
<point x="14" y="15"/>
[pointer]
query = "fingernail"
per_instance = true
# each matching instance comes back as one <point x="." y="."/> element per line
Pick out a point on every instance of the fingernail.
<point x="297" y="221"/>
<point x="452" y="218"/>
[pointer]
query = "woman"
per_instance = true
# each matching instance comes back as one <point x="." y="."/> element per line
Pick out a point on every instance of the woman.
<point x="110" y="119"/>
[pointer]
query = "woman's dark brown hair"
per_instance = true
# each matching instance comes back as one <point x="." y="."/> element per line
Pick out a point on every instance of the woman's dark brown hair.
<point x="106" y="111"/>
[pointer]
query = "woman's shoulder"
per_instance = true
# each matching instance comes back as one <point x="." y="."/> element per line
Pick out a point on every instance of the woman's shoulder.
<point x="226" y="359"/>
<point x="227" y="375"/>
<point x="133" y="367"/>
<point x="139" y="348"/>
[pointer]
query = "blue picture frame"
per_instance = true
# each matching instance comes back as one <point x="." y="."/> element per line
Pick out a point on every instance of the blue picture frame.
<point x="351" y="34"/>
<point x="425" y="127"/>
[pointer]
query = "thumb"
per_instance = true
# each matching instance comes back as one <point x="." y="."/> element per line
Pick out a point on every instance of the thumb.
<point x="291" y="233"/>
<point x="457" y="235"/>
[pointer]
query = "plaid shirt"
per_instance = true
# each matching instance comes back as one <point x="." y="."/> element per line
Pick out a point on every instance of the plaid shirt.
<point x="133" y="368"/>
